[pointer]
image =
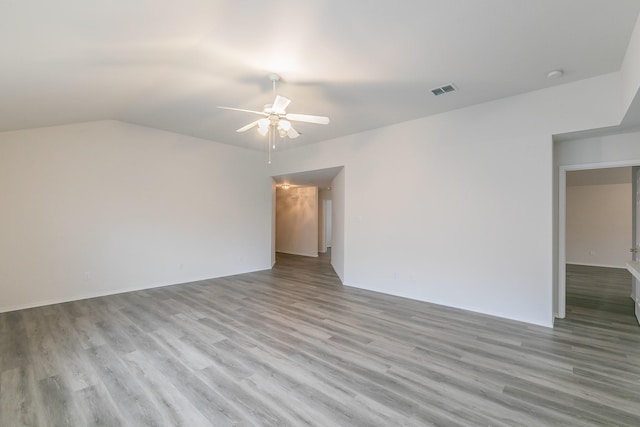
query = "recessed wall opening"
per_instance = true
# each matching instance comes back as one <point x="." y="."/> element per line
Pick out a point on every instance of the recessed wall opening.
<point x="598" y="236"/>
<point x="308" y="210"/>
<point x="596" y="192"/>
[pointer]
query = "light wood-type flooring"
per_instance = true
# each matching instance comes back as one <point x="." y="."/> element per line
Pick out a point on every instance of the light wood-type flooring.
<point x="293" y="347"/>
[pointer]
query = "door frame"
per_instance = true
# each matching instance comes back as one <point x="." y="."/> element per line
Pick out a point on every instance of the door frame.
<point x="635" y="282"/>
<point x="328" y="217"/>
<point x="322" y="225"/>
<point x="561" y="295"/>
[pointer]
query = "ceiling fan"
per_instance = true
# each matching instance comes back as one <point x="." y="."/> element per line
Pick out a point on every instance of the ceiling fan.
<point x="276" y="119"/>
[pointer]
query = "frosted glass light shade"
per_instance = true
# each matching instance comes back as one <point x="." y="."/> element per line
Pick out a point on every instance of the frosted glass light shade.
<point x="263" y="126"/>
<point x="284" y="125"/>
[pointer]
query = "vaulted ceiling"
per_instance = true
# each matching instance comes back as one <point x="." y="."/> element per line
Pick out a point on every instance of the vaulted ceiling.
<point x="366" y="64"/>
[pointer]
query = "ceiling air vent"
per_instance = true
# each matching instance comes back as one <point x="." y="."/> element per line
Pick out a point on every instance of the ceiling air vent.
<point x="443" y="89"/>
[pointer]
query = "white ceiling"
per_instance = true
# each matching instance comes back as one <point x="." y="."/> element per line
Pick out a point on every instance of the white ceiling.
<point x="321" y="178"/>
<point x="366" y="64"/>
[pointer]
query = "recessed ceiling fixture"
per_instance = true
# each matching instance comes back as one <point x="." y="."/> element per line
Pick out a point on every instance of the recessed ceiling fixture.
<point x="285" y="186"/>
<point x="444" y="89"/>
<point x="276" y="118"/>
<point x="555" y="74"/>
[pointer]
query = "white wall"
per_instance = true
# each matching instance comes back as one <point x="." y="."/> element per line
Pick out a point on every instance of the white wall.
<point x="598" y="229"/>
<point x="297" y="221"/>
<point x="105" y="207"/>
<point x="338" y="221"/>
<point x="324" y="222"/>
<point x="322" y="232"/>
<point x="630" y="70"/>
<point x="329" y="215"/>
<point x="273" y="222"/>
<point x="467" y="219"/>
<point x="621" y="148"/>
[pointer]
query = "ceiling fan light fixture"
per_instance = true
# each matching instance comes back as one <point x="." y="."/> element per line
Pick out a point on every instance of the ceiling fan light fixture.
<point x="263" y="126"/>
<point x="284" y="125"/>
<point x="276" y="119"/>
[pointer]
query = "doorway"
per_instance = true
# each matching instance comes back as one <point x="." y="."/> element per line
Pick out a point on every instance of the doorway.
<point x="308" y="218"/>
<point x="595" y="234"/>
<point x="598" y="238"/>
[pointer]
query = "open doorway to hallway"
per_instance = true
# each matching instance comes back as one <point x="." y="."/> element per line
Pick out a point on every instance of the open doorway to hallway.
<point x="599" y="233"/>
<point x="308" y="209"/>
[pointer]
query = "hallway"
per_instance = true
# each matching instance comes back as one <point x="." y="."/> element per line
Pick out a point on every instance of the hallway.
<point x="306" y="267"/>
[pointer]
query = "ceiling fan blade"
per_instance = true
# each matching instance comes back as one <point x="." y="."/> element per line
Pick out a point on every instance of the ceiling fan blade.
<point x="280" y="104"/>
<point x="319" y="120"/>
<point x="262" y="113"/>
<point x="292" y="133"/>
<point x="249" y="126"/>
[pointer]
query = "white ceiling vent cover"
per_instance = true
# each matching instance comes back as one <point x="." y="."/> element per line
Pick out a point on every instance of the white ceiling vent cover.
<point x="444" y="89"/>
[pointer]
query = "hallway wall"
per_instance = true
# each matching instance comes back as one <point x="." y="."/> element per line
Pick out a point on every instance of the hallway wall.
<point x="297" y="221"/>
<point x="599" y="225"/>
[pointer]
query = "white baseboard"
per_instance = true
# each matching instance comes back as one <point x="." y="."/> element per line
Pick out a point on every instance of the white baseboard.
<point x="295" y="253"/>
<point x="89" y="295"/>
<point x="79" y="297"/>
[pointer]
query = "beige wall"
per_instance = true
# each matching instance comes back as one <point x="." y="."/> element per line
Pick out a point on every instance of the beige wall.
<point x="297" y="221"/>
<point x="599" y="225"/>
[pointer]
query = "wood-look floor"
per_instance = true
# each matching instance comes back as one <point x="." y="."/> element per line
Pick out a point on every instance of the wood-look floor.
<point x="293" y="347"/>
